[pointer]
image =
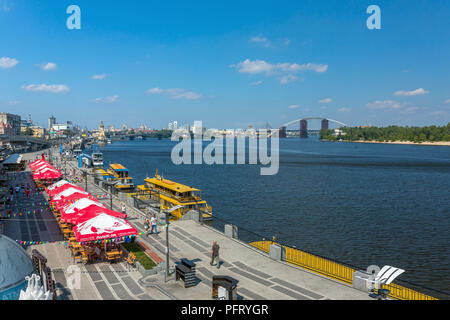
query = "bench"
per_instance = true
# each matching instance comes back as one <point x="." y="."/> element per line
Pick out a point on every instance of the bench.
<point x="131" y="259"/>
<point x="185" y="270"/>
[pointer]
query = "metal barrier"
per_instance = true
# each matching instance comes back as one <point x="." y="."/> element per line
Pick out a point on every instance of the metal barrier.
<point x="320" y="265"/>
<point x="404" y="293"/>
<point x="337" y="271"/>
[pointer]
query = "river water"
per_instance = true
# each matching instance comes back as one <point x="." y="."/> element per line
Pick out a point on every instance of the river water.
<point x="356" y="203"/>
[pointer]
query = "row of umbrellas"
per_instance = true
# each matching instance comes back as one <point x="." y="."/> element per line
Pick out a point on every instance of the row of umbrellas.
<point x="91" y="219"/>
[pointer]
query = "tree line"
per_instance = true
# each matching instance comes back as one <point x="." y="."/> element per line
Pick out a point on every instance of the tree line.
<point x="388" y="134"/>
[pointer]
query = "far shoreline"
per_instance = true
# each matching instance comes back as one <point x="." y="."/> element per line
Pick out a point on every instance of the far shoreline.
<point x="437" y="143"/>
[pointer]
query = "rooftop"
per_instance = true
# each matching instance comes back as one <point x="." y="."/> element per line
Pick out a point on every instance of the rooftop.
<point x="178" y="187"/>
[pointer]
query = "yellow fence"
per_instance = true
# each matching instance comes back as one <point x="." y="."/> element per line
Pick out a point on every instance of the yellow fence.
<point x="337" y="271"/>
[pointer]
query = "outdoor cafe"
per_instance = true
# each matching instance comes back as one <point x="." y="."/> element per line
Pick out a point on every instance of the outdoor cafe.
<point x="91" y="231"/>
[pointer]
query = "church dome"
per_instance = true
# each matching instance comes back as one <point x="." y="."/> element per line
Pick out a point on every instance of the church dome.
<point x="15" y="265"/>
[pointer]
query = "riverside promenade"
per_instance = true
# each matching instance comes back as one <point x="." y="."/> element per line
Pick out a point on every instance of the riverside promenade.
<point x="260" y="277"/>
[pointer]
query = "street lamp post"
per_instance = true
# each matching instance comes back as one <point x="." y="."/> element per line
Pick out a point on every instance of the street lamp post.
<point x="85" y="180"/>
<point x="110" y="197"/>
<point x="167" y="245"/>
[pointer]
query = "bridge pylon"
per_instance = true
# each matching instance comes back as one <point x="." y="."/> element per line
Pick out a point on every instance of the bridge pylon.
<point x="303" y="129"/>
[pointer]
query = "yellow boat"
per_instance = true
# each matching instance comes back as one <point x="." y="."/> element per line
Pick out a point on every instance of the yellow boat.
<point x="176" y="198"/>
<point x="120" y="174"/>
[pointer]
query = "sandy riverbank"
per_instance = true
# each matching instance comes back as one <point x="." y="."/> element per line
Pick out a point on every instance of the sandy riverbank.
<point x="440" y="143"/>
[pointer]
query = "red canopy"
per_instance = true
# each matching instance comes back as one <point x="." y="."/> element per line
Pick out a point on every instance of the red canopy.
<point x="67" y="196"/>
<point x="79" y="216"/>
<point x="37" y="163"/>
<point x="47" y="175"/>
<point x="60" y="189"/>
<point x="103" y="226"/>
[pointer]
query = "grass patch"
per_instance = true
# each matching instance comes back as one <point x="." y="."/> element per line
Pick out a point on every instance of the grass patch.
<point x="141" y="256"/>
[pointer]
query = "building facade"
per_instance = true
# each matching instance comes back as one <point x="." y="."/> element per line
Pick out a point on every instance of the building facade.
<point x="10" y="124"/>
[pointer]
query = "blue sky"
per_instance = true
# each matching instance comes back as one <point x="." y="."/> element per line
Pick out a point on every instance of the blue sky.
<point x="229" y="63"/>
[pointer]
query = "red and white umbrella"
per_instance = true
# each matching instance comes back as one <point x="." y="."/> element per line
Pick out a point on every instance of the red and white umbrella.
<point x="57" y="185"/>
<point x="45" y="169"/>
<point x="88" y="213"/>
<point x="41" y="166"/>
<point x="103" y="226"/>
<point x="37" y="163"/>
<point x="47" y="175"/>
<point x="66" y="193"/>
<point x="62" y="188"/>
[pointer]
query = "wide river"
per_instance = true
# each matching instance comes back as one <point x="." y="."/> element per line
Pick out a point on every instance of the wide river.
<point x="356" y="203"/>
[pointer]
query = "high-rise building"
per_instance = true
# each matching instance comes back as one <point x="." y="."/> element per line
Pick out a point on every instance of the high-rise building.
<point x="170" y="126"/>
<point x="51" y="122"/>
<point x="175" y="125"/>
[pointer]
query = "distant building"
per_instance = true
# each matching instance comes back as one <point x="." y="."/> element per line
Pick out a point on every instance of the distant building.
<point x="10" y="124"/>
<point x="175" y="125"/>
<point x="36" y="131"/>
<point x="61" y="127"/>
<point x="170" y="126"/>
<point x="338" y="132"/>
<point x="51" y="122"/>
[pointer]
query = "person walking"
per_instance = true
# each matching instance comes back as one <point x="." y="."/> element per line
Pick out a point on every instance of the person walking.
<point x="27" y="191"/>
<point x="153" y="222"/>
<point x="124" y="209"/>
<point x="146" y="227"/>
<point x="215" y="254"/>
<point x="17" y="191"/>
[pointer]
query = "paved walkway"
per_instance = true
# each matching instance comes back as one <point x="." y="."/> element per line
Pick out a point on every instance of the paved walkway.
<point x="259" y="276"/>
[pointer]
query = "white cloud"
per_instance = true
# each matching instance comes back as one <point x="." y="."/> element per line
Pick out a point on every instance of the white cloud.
<point x="262" y="40"/>
<point x="175" y="93"/>
<point x="411" y="93"/>
<point x="439" y="113"/>
<point x="261" y="66"/>
<point x="13" y="103"/>
<point x="99" y="76"/>
<point x="53" y="88"/>
<point x="256" y="83"/>
<point x="155" y="91"/>
<point x="344" y="110"/>
<point x="107" y="99"/>
<point x="294" y="106"/>
<point x="286" y="42"/>
<point x="288" y="78"/>
<point x="411" y="110"/>
<point x="314" y="67"/>
<point x="254" y="67"/>
<point x="7" y="63"/>
<point x="48" y="66"/>
<point x="447" y="101"/>
<point x="386" y="104"/>
<point x="327" y="100"/>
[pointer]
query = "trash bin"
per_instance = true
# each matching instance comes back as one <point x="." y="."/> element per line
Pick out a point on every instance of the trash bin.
<point x="224" y="288"/>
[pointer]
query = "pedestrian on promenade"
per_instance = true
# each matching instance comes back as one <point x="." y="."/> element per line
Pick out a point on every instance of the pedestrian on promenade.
<point x="153" y="221"/>
<point x="27" y="191"/>
<point x="146" y="227"/>
<point x="215" y="254"/>
<point x="124" y="209"/>
<point x="17" y="190"/>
